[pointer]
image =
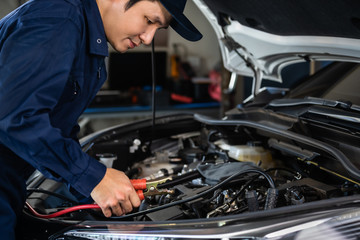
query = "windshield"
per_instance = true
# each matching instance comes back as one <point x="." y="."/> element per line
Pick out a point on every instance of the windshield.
<point x="346" y="89"/>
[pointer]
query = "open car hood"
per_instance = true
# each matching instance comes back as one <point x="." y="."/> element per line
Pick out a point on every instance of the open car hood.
<point x="258" y="38"/>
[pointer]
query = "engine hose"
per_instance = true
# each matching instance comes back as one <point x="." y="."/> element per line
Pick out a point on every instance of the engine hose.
<point x="271" y="198"/>
<point x="199" y="195"/>
<point x="252" y="201"/>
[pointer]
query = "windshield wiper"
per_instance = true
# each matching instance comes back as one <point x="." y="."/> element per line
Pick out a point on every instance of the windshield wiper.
<point x="340" y="113"/>
<point x="336" y="115"/>
<point x="278" y="103"/>
<point x="312" y="101"/>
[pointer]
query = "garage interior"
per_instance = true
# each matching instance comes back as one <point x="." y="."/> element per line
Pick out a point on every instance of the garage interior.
<point x="189" y="78"/>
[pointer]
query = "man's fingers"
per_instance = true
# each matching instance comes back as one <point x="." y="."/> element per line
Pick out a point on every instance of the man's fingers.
<point x="126" y="206"/>
<point x="135" y="200"/>
<point x="106" y="211"/>
<point x="113" y="210"/>
<point x="117" y="210"/>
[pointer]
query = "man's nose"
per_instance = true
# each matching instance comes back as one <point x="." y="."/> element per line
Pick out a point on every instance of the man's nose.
<point x="147" y="37"/>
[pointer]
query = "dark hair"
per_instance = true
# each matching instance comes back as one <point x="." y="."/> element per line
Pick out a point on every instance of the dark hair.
<point x="132" y="3"/>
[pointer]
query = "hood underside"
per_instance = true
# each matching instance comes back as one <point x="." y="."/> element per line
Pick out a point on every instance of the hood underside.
<point x="260" y="37"/>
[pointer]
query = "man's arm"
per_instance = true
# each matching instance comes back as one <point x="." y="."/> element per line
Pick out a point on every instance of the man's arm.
<point x="33" y="75"/>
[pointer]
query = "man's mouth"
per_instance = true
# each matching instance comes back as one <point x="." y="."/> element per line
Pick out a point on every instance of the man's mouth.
<point x="132" y="44"/>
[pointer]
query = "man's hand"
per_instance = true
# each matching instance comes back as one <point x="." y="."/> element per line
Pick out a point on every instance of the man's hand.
<point x="115" y="194"/>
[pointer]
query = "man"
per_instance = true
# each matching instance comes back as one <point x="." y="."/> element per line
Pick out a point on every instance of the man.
<point x="51" y="66"/>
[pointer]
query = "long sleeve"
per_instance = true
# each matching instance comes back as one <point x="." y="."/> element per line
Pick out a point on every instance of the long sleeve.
<point x="36" y="61"/>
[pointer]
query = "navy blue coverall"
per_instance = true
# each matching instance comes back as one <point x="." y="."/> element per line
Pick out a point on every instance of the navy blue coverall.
<point x="51" y="66"/>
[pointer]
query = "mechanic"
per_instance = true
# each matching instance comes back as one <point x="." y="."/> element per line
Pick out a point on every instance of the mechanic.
<point x="51" y="67"/>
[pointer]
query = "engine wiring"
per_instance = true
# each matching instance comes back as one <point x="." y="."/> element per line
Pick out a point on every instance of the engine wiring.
<point x="166" y="205"/>
<point x="212" y="189"/>
<point x="144" y="212"/>
<point x="204" y="193"/>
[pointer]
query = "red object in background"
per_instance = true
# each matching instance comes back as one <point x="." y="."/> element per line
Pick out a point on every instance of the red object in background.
<point x="181" y="98"/>
<point x="215" y="85"/>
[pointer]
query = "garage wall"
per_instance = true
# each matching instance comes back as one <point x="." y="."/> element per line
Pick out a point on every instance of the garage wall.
<point x="207" y="48"/>
<point x="7" y="6"/>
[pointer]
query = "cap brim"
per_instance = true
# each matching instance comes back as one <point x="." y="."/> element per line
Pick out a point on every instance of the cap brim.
<point x="181" y="24"/>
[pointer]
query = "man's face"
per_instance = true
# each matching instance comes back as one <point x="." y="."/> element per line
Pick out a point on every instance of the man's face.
<point x="126" y="29"/>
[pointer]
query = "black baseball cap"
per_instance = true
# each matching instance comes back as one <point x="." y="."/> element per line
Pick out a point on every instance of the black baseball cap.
<point x="180" y="23"/>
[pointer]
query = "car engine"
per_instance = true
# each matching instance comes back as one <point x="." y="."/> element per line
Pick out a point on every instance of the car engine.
<point x="205" y="170"/>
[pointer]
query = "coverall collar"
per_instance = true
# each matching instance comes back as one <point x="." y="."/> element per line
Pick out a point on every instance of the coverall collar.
<point x="97" y="38"/>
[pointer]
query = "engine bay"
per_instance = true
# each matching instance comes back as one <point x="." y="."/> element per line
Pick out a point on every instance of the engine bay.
<point x="204" y="171"/>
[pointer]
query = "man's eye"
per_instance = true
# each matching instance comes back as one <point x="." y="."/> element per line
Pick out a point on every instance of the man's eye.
<point x="149" y="21"/>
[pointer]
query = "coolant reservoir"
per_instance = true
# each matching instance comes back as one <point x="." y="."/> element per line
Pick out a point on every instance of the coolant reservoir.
<point x="251" y="152"/>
